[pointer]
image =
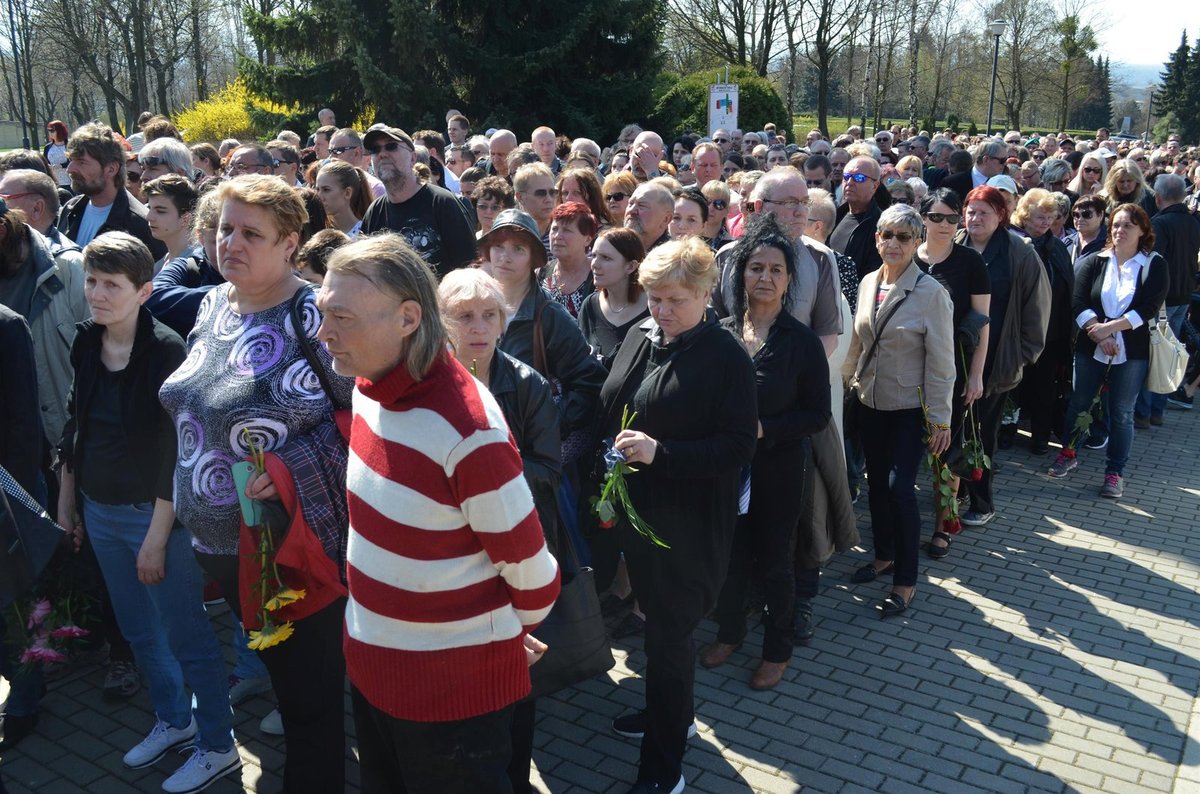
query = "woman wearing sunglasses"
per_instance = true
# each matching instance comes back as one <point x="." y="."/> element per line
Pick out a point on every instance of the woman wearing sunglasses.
<point x="1091" y="236"/>
<point x="618" y="187"/>
<point x="1089" y="180"/>
<point x="901" y="355"/>
<point x="960" y="270"/>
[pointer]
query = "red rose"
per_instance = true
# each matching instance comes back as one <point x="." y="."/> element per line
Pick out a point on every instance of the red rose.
<point x="952" y="525"/>
<point x="976" y="474"/>
<point x="608" y="524"/>
<point x="1068" y="452"/>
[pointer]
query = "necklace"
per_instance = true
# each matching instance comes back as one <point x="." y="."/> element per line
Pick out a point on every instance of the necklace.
<point x="612" y="308"/>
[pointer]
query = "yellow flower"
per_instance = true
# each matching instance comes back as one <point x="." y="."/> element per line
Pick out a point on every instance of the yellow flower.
<point x="284" y="597"/>
<point x="268" y="636"/>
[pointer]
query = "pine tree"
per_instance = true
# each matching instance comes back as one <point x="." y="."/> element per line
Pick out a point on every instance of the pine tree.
<point x="1188" y="104"/>
<point x="1173" y="77"/>
<point x="585" y="67"/>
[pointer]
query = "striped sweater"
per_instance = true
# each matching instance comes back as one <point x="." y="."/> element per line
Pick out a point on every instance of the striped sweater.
<point x="447" y="567"/>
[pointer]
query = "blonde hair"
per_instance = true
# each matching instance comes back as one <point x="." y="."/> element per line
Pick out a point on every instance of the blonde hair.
<point x="623" y="181"/>
<point x="207" y="214"/>
<point x="392" y="266"/>
<point x="688" y="262"/>
<point x="270" y="193"/>
<point x="528" y="172"/>
<point x="1035" y="199"/>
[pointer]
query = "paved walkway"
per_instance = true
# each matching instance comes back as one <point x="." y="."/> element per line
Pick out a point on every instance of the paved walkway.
<point x="1054" y="650"/>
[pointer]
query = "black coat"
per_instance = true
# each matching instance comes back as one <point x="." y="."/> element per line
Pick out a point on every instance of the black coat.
<point x="961" y="183"/>
<point x="696" y="397"/>
<point x="127" y="215"/>
<point x="569" y="360"/>
<point x="1147" y="297"/>
<point x="21" y="441"/>
<point x="157" y="352"/>
<point x="1177" y="238"/>
<point x="861" y="246"/>
<point x="528" y="405"/>
<point x="1059" y="270"/>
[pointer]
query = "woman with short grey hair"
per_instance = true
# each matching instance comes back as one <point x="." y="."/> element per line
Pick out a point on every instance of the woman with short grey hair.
<point x="901" y="366"/>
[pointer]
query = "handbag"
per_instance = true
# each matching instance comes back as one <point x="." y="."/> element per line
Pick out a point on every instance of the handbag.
<point x="578" y="442"/>
<point x="1168" y="356"/>
<point x="851" y="402"/>
<point x="574" y="630"/>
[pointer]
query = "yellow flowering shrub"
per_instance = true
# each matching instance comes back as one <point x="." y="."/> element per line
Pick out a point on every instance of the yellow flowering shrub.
<point x="227" y="114"/>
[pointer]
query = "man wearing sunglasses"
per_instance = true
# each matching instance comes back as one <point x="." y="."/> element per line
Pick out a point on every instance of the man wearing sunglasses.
<point x="426" y="215"/>
<point x="990" y="159"/>
<point x="854" y="234"/>
<point x="346" y="145"/>
<point x="97" y="169"/>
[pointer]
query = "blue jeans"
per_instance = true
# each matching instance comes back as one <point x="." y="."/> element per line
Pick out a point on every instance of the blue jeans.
<point x="246" y="664"/>
<point x="166" y="623"/>
<point x="1148" y="403"/>
<point x="1124" y="383"/>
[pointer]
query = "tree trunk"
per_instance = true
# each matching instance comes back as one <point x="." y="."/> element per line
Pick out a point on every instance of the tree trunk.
<point x="198" y="55"/>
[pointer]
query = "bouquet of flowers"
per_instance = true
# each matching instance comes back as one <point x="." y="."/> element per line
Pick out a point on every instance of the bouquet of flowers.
<point x="273" y="593"/>
<point x="974" y="458"/>
<point x="615" y="493"/>
<point x="44" y="628"/>
<point x="944" y="497"/>
<point x="1083" y="420"/>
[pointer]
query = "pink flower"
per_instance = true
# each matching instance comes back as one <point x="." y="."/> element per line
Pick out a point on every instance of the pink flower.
<point x="68" y="633"/>
<point x="41" y="610"/>
<point x="39" y="652"/>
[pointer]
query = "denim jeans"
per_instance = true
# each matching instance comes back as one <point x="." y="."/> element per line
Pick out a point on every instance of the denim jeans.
<point x="246" y="664"/>
<point x="1148" y="403"/>
<point x="1124" y="383"/>
<point x="166" y="624"/>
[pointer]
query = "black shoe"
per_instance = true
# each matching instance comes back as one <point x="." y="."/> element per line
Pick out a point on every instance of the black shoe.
<point x="633" y="725"/>
<point x="938" y="552"/>
<point x="632" y="624"/>
<point x="1096" y="441"/>
<point x="893" y="605"/>
<point x="803" y="626"/>
<point x="17" y="728"/>
<point x="1180" y="399"/>
<point x="867" y="573"/>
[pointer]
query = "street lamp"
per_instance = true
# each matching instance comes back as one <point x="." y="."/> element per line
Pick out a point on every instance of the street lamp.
<point x="996" y="28"/>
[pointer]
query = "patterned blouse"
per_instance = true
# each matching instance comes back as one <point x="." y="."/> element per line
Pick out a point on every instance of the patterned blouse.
<point x="244" y="374"/>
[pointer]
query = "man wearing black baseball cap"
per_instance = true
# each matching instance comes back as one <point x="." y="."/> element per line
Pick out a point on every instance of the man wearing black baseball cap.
<point x="428" y="216"/>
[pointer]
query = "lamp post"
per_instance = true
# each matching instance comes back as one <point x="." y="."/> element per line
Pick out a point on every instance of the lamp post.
<point x="996" y="28"/>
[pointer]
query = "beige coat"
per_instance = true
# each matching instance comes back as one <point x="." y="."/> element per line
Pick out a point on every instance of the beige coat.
<point x="916" y="350"/>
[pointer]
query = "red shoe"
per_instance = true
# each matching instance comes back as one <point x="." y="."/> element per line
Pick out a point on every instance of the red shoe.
<point x="212" y="594"/>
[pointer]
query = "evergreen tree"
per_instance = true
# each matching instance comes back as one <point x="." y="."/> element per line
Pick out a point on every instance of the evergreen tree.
<point x="1173" y="77"/>
<point x="1188" y="104"/>
<point x="585" y="67"/>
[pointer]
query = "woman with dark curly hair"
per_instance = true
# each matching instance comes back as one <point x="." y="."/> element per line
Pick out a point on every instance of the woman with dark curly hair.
<point x="792" y="378"/>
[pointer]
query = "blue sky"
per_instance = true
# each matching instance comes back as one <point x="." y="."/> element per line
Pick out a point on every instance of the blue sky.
<point x="1145" y="33"/>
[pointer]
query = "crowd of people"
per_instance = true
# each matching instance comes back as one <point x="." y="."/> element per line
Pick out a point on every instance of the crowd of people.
<point x="416" y="359"/>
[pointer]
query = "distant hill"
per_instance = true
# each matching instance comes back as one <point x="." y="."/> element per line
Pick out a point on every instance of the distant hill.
<point x="1129" y="81"/>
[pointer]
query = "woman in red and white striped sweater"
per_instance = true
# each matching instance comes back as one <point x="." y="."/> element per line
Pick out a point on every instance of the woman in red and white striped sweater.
<point x="447" y="567"/>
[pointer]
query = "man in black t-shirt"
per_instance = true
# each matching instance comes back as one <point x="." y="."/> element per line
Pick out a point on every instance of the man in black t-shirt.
<point x="428" y="216"/>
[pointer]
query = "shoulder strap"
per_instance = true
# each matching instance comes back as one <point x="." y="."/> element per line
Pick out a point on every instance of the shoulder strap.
<point x="862" y="364"/>
<point x="539" y="339"/>
<point x="310" y="355"/>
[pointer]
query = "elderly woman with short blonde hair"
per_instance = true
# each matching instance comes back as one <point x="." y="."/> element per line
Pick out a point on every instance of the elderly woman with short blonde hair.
<point x="690" y="436"/>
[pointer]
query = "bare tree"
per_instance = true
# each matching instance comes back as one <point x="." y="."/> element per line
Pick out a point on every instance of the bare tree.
<point x="826" y="27"/>
<point x="735" y="32"/>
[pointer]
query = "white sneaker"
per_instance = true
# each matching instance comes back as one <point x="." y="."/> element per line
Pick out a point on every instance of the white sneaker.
<point x="161" y="740"/>
<point x="201" y="770"/>
<point x="272" y="724"/>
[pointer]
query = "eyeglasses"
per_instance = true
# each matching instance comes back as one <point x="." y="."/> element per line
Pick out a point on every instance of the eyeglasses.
<point x="543" y="192"/>
<point x="150" y="162"/>
<point x="859" y="178"/>
<point x="1142" y="159"/>
<point x="943" y="217"/>
<point x="11" y="196"/>
<point x="1083" y="215"/>
<point x="1039" y="156"/>
<point x="611" y="197"/>
<point x="721" y="140"/>
<point x="341" y="150"/>
<point x="1091" y="170"/>
<point x="235" y="169"/>
<point x="793" y="204"/>
<point x="390" y="146"/>
<point x="719" y="204"/>
<point x="903" y="237"/>
<point x="881" y="140"/>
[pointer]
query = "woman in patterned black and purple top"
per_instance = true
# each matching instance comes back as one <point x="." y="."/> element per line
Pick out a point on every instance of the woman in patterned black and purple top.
<point x="246" y="374"/>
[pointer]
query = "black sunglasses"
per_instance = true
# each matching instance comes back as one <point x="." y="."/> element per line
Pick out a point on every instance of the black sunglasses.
<point x="904" y="237"/>
<point x="150" y="162"/>
<point x="718" y="204"/>
<point x="341" y="149"/>
<point x="943" y="217"/>
<point x="616" y="196"/>
<point x="1083" y="215"/>
<point x="390" y="146"/>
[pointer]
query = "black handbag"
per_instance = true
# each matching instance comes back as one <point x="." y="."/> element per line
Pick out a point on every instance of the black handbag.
<point x="574" y="630"/>
<point x="28" y="539"/>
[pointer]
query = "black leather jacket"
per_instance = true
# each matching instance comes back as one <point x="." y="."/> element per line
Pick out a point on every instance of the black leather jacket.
<point x="528" y="405"/>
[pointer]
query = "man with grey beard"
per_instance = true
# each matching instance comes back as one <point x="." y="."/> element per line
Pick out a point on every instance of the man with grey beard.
<point x="428" y="216"/>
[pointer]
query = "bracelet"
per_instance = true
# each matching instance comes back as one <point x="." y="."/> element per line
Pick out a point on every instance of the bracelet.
<point x="939" y="425"/>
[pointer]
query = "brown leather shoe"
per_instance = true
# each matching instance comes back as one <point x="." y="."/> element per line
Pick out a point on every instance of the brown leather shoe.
<point x="717" y="654"/>
<point x="768" y="675"/>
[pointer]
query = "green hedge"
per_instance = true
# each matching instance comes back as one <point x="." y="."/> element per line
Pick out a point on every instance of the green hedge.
<point x="682" y="104"/>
